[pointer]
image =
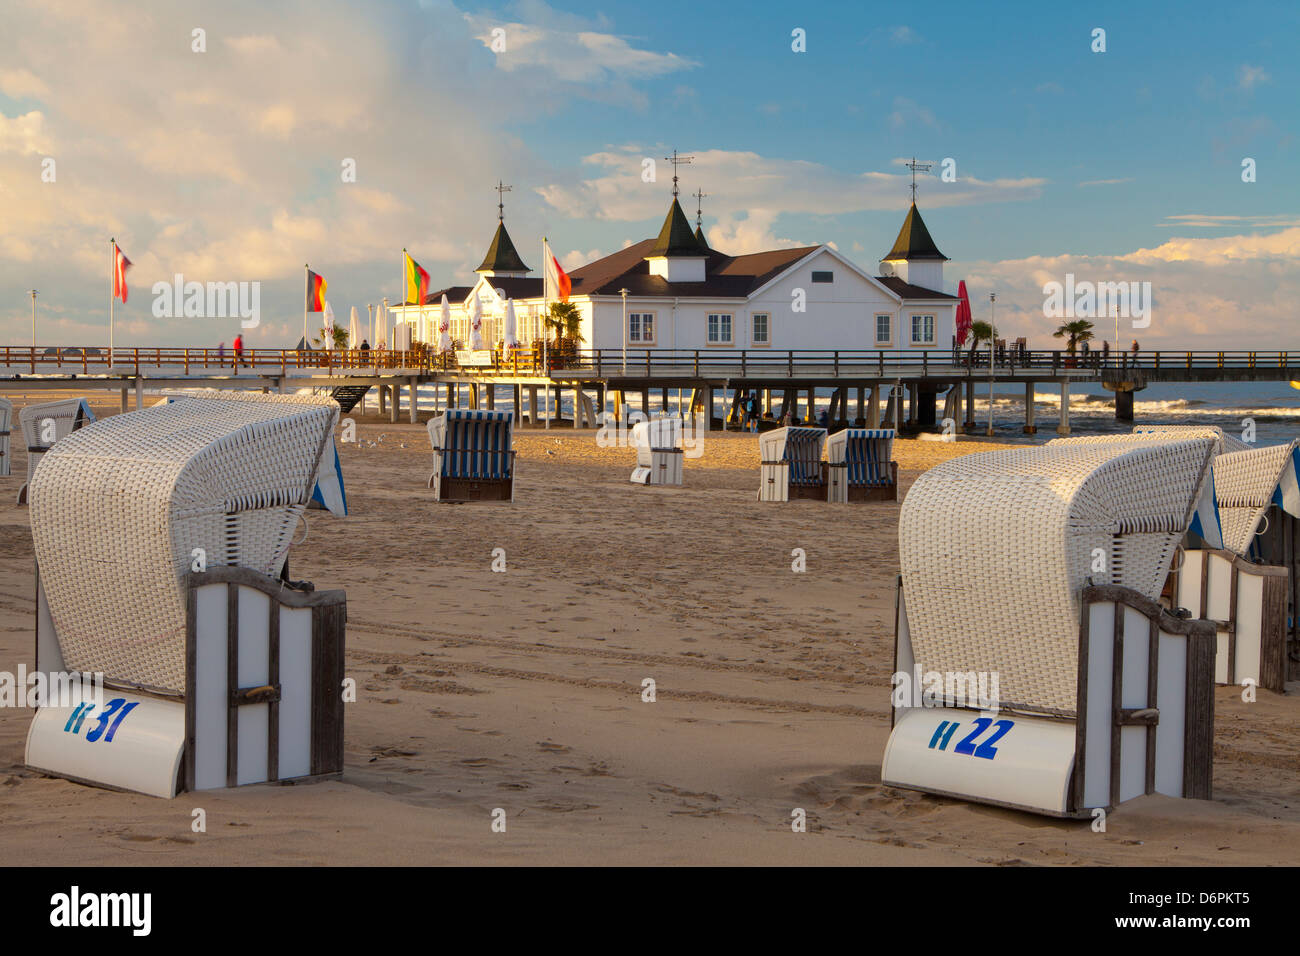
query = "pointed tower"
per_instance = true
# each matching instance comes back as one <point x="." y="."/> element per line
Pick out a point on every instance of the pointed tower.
<point x="699" y="220"/>
<point x="502" y="259"/>
<point x="915" y="258"/>
<point x="677" y="255"/>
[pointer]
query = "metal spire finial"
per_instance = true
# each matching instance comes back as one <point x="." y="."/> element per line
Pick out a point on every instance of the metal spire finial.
<point x="914" y="166"/>
<point x="677" y="161"/>
<point x="501" y="189"/>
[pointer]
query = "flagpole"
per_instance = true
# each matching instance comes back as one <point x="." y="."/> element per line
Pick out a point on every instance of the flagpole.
<point x="112" y="264"/>
<point x="306" y="286"/>
<point x="546" y="333"/>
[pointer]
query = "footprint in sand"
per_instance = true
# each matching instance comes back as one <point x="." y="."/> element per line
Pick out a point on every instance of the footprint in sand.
<point x="550" y="748"/>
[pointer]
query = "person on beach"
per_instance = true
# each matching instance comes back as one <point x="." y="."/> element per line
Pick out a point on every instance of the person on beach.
<point x="751" y="411"/>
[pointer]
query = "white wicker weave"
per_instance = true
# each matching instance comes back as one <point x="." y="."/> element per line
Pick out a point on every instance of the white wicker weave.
<point x="1244" y="485"/>
<point x="6" y="420"/>
<point x="996" y="548"/>
<point x="119" y="507"/>
<point x="1226" y="442"/>
<point x="65" y="416"/>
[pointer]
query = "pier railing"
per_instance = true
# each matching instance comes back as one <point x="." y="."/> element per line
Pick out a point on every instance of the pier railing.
<point x="629" y="363"/>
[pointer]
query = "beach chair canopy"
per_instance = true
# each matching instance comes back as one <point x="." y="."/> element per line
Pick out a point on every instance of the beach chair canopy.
<point x="800" y="447"/>
<point x="655" y="434"/>
<point x="123" y="509"/>
<point x="67" y="416"/>
<point x="1226" y="442"/>
<point x="866" y="452"/>
<point x="996" y="548"/>
<point x="1246" y="483"/>
<point x="472" y="443"/>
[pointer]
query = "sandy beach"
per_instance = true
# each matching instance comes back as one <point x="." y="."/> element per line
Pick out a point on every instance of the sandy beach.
<point x="523" y="690"/>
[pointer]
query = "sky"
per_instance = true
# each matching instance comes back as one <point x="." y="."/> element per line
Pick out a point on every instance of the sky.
<point x="227" y="163"/>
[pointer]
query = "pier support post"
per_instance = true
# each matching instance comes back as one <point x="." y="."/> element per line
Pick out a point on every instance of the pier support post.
<point x="645" y="402"/>
<point x="491" y="395"/>
<point x="518" y="395"/>
<point x="767" y="401"/>
<point x="415" y="404"/>
<point x="396" y="400"/>
<point x="124" y="405"/>
<point x="473" y="395"/>
<point x="139" y="396"/>
<point x="969" y="424"/>
<point x="532" y="404"/>
<point x="665" y="399"/>
<point x="1124" y="406"/>
<point x="1030" y="427"/>
<point x="812" y="406"/>
<point x="708" y="407"/>
<point x="861" y="418"/>
<point x="1063" y="428"/>
<point x="873" y="408"/>
<point x="383" y="397"/>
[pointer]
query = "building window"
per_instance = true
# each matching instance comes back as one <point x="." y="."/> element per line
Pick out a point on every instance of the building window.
<point x="823" y="277"/>
<point x="760" y="328"/>
<point x="641" y="327"/>
<point x="719" y="328"/>
<point x="922" y="330"/>
<point x="884" y="329"/>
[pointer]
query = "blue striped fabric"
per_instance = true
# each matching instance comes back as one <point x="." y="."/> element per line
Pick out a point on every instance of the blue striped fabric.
<point x="803" y="451"/>
<point x="866" y="455"/>
<point x="477" y="444"/>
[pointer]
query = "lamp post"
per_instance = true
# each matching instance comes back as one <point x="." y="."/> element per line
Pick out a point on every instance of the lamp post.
<point x="623" y="293"/>
<point x="33" y="294"/>
<point x="993" y="334"/>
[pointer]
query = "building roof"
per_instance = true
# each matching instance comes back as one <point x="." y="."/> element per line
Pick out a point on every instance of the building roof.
<point x="726" y="276"/>
<point x="699" y="237"/>
<point x="501" y="255"/>
<point x="914" y="240"/>
<point x="908" y="291"/>
<point x="675" y="238"/>
<point x="454" y="294"/>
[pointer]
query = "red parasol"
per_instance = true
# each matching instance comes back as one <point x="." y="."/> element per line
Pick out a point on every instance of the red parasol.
<point x="963" y="313"/>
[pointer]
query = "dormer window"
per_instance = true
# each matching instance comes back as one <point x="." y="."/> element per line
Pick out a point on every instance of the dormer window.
<point x="823" y="277"/>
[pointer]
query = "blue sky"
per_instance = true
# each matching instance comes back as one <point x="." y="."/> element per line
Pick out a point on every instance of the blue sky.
<point x="224" y="165"/>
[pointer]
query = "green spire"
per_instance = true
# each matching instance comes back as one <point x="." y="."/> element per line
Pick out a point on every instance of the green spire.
<point x="676" y="238"/>
<point x="501" y="255"/>
<point x="914" y="240"/>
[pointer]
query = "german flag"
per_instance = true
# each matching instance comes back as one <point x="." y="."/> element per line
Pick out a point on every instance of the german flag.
<point x="315" y="292"/>
<point x="417" y="281"/>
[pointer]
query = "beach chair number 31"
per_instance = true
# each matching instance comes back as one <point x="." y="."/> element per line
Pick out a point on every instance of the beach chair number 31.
<point x="944" y="733"/>
<point x="96" y="731"/>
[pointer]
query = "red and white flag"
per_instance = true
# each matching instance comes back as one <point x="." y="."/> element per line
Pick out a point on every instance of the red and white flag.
<point x="120" y="264"/>
<point x="558" y="283"/>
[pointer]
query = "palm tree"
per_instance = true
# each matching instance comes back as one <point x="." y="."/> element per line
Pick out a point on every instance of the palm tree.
<point x="1080" y="330"/>
<point x="566" y="320"/>
<point x="980" y="331"/>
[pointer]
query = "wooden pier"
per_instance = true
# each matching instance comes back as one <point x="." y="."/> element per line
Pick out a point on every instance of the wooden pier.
<point x="622" y="377"/>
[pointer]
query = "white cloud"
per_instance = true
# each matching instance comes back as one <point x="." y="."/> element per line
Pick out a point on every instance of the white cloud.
<point x="745" y="181"/>
<point x="909" y="113"/>
<point x="1249" y="77"/>
<point x="1106" y="182"/>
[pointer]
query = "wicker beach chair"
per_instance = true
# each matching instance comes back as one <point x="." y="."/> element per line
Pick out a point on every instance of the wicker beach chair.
<point x="43" y="425"/>
<point x="791" y="464"/>
<point x="1243" y="586"/>
<point x="658" y="444"/>
<point x="472" y="457"/>
<point x="860" y="465"/>
<point x="160" y="537"/>
<point x="1034" y="572"/>
<point x="6" y="419"/>
<point x="1226" y="442"/>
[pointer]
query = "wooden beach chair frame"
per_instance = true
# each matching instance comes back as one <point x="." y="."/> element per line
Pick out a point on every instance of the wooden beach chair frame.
<point x="218" y="677"/>
<point x="6" y="426"/>
<point x="463" y="474"/>
<point x="860" y="466"/>
<point x="68" y="415"/>
<point x="1108" y="696"/>
<point x="791" y="465"/>
<point x="659" y="454"/>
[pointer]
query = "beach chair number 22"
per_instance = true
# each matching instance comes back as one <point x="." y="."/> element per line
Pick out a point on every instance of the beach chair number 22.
<point x="944" y="733"/>
<point x="117" y="706"/>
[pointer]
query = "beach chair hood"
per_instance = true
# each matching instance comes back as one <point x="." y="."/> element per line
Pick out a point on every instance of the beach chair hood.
<point x="1246" y="483"/>
<point x="122" y="510"/>
<point x="997" y="547"/>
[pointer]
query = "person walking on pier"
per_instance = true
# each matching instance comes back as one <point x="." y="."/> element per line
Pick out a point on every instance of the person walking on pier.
<point x="1134" y="350"/>
<point x="239" y="350"/>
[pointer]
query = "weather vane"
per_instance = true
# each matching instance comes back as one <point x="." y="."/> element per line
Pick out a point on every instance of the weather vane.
<point x="700" y="196"/>
<point x="677" y="161"/>
<point x="501" y="189"/>
<point x="914" y="166"/>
